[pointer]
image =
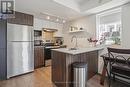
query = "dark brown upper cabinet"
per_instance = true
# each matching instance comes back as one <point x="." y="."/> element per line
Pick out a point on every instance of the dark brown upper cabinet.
<point x="22" y="18"/>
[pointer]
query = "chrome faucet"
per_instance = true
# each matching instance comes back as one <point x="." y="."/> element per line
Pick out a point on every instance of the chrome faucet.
<point x="76" y="43"/>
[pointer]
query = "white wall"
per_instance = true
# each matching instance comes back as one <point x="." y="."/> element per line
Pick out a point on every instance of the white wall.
<point x="126" y="25"/>
<point x="88" y="23"/>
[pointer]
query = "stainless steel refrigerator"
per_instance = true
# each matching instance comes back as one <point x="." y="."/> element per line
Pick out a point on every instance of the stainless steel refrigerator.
<point x="20" y="49"/>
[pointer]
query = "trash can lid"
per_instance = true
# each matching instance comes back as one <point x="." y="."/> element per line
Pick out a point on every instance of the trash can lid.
<point x="80" y="65"/>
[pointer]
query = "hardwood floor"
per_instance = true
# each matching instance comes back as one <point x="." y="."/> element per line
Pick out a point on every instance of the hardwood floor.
<point x="42" y="78"/>
<point x="39" y="78"/>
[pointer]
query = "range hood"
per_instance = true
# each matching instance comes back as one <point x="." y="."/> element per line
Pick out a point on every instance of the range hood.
<point x="49" y="30"/>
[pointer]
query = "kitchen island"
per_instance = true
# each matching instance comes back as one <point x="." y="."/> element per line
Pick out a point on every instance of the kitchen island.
<point x="63" y="58"/>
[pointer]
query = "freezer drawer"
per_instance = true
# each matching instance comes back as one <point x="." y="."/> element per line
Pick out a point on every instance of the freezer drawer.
<point x="20" y="58"/>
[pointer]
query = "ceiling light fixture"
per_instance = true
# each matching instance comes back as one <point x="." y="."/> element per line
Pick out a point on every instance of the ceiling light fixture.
<point x="53" y="18"/>
<point x="48" y="17"/>
<point x="57" y="19"/>
<point x="64" y="21"/>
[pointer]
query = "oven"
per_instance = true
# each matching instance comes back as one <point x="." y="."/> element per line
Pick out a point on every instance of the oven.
<point x="47" y="50"/>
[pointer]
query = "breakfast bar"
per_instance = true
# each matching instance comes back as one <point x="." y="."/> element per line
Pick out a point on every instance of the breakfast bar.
<point x="63" y="58"/>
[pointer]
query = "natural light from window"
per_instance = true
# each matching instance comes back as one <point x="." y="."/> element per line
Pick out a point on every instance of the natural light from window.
<point x="109" y="27"/>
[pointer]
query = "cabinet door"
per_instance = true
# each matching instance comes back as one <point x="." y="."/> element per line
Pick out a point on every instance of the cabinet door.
<point x="30" y="20"/>
<point x="38" y="24"/>
<point x="92" y="63"/>
<point x="3" y="64"/>
<point x="3" y="49"/>
<point x="59" y="33"/>
<point x="53" y="25"/>
<point x="45" y="24"/>
<point x="49" y="24"/>
<point x="22" y="18"/>
<point x="38" y="57"/>
<point x="3" y="33"/>
<point x="59" y="69"/>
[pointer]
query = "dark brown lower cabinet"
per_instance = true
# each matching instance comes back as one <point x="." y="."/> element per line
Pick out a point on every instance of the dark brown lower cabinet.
<point x="62" y="70"/>
<point x="58" y="68"/>
<point x="3" y="49"/>
<point x="3" y="64"/>
<point x="38" y="56"/>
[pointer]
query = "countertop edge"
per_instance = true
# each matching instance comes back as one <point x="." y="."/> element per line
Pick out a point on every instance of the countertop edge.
<point x="80" y="51"/>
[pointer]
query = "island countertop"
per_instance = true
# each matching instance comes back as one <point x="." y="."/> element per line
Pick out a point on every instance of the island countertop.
<point x="78" y="51"/>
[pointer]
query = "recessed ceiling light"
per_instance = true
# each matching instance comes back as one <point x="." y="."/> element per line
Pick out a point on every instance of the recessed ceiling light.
<point x="57" y="19"/>
<point x="64" y="21"/>
<point x="48" y="17"/>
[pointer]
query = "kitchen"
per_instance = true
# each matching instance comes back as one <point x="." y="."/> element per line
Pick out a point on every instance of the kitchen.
<point x="43" y="43"/>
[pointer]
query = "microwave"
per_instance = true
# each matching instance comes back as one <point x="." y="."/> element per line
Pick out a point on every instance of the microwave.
<point x="37" y="33"/>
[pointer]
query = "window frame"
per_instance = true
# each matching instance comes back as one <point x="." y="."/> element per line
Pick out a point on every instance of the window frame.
<point x="105" y="13"/>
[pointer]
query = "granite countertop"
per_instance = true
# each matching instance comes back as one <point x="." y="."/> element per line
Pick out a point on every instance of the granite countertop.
<point x="78" y="51"/>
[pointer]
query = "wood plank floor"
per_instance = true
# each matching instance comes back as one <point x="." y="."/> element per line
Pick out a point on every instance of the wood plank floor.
<point x="42" y="78"/>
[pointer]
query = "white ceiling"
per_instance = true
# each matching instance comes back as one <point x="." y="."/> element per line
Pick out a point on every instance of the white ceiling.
<point x="80" y="2"/>
<point x="45" y="6"/>
<point x="66" y="9"/>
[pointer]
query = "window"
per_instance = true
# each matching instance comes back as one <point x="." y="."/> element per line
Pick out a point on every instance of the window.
<point x="109" y="27"/>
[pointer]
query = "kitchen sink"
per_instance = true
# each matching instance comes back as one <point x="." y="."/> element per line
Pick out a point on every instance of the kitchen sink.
<point x="73" y="49"/>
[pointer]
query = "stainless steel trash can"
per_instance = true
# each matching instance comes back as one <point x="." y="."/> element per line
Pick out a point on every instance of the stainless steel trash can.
<point x="80" y="75"/>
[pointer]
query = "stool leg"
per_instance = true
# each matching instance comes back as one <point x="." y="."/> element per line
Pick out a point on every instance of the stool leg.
<point x="109" y="81"/>
<point x="114" y="78"/>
